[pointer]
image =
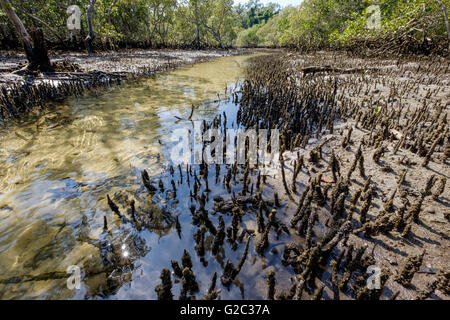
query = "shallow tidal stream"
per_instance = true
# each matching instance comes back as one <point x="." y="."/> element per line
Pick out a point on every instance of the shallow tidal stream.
<point x="56" y="169"/>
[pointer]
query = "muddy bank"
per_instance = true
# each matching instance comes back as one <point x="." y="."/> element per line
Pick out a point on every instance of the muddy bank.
<point x="77" y="72"/>
<point x="366" y="146"/>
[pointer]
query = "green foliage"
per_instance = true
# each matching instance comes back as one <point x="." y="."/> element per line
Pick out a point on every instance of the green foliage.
<point x="249" y="37"/>
<point x="219" y="23"/>
<point x="254" y="13"/>
<point x="325" y="23"/>
<point x="147" y="23"/>
<point x="418" y="18"/>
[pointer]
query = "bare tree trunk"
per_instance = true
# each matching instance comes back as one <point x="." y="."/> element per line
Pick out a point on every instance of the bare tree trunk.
<point x="215" y="34"/>
<point x="45" y="24"/>
<point x="61" y="5"/>
<point x="20" y="29"/>
<point x="42" y="61"/>
<point x="91" y="36"/>
<point x="197" y="22"/>
<point x="108" y="39"/>
<point x="444" y="10"/>
<point x="35" y="48"/>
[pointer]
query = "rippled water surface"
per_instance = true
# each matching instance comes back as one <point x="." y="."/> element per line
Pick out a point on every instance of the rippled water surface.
<point x="56" y="169"/>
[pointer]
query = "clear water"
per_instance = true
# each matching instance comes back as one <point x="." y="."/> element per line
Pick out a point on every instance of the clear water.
<point x="56" y="169"/>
